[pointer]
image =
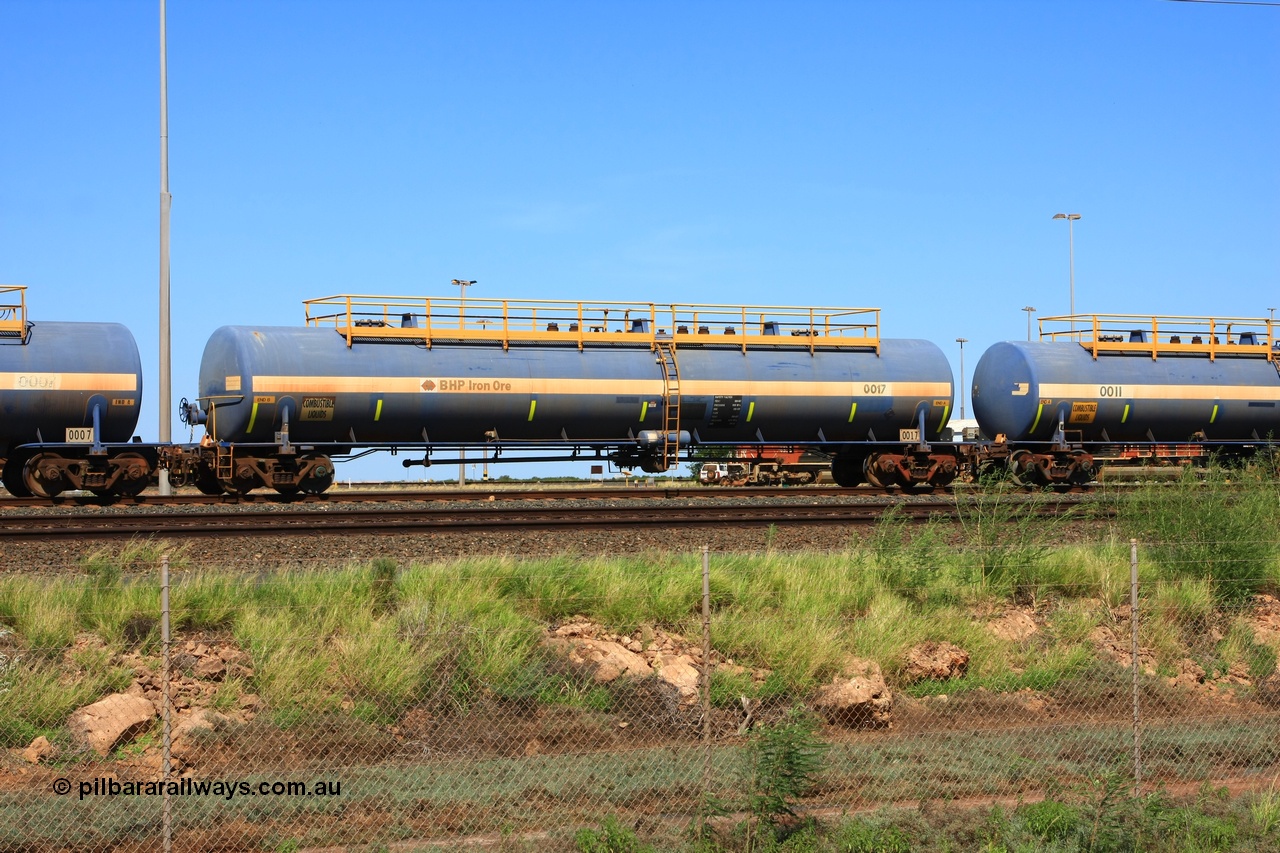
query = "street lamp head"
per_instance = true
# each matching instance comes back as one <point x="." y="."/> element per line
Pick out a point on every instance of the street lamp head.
<point x="461" y="282"/>
<point x="1070" y="216"/>
<point x="962" y="341"/>
<point x="1028" y="308"/>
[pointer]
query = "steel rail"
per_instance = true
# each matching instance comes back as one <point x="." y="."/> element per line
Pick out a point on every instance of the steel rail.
<point x="454" y="494"/>
<point x="450" y="519"/>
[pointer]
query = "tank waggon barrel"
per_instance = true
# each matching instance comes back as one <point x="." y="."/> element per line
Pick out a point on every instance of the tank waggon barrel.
<point x="637" y="383"/>
<point x="69" y="400"/>
<point x="1098" y="380"/>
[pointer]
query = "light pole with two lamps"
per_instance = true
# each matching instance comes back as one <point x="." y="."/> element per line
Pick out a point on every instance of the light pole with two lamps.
<point x="962" y="342"/>
<point x="1071" y="258"/>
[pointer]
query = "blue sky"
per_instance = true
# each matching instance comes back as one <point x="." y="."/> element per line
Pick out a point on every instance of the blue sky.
<point x="904" y="155"/>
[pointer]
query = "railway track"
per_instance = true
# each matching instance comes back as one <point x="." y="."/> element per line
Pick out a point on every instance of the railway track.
<point x="451" y="518"/>
<point x="338" y="497"/>
<point x="437" y="495"/>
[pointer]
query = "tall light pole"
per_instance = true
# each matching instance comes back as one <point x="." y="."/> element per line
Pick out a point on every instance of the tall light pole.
<point x="962" y="342"/>
<point x="1071" y="258"/>
<point x="462" y="284"/>
<point x="1030" y="310"/>
<point x="166" y="379"/>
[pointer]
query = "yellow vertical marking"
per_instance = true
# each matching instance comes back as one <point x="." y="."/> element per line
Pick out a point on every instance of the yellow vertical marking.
<point x="377" y="413"/>
<point x="644" y="410"/>
<point x="946" y="410"/>
<point x="533" y="404"/>
<point x="1214" y="416"/>
<point x="1039" y="412"/>
<point x="751" y="410"/>
<point x="253" y="416"/>
<point x="853" y="410"/>
<point x="1125" y="416"/>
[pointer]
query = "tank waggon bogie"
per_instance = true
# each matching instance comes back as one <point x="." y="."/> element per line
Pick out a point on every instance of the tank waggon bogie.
<point x="49" y="471"/>
<point x="910" y="467"/>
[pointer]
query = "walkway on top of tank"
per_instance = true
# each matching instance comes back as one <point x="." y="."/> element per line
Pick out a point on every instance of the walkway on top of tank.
<point x="436" y="320"/>
<point x="1157" y="335"/>
<point x="13" y="310"/>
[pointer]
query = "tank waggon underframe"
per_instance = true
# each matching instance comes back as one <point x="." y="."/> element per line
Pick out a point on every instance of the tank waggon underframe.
<point x="48" y="470"/>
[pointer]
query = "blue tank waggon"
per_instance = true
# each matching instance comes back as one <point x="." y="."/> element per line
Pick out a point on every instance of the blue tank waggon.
<point x="1119" y="379"/>
<point x="635" y="383"/>
<point x="68" y="392"/>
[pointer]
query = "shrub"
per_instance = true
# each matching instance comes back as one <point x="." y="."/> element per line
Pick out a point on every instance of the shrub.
<point x="1213" y="525"/>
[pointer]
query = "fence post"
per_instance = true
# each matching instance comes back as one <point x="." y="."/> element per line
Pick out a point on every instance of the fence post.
<point x="1137" y="710"/>
<point x="166" y="817"/>
<point x="706" y="670"/>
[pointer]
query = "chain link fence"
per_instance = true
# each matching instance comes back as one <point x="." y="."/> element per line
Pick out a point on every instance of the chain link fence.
<point x="515" y="701"/>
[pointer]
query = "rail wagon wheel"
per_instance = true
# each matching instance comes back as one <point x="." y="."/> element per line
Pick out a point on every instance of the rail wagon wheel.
<point x="44" y="475"/>
<point x="1023" y="469"/>
<point x="135" y="473"/>
<point x="13" y="477"/>
<point x="321" y="477"/>
<point x="1081" y="474"/>
<point x="207" y="482"/>
<point x="874" y="479"/>
<point x="243" y="481"/>
<point x="848" y="471"/>
<point x="881" y="473"/>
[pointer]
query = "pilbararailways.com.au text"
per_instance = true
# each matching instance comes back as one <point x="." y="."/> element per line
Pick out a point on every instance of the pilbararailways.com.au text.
<point x="225" y="789"/>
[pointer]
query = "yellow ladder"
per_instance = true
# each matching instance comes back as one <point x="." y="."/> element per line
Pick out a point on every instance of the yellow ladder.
<point x="222" y="463"/>
<point x="671" y="403"/>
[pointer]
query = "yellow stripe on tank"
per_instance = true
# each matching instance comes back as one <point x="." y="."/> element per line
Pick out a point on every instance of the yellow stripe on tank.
<point x="253" y="416"/>
<point x="751" y="410"/>
<point x="33" y="381"/>
<point x="1214" y="416"/>
<point x="1039" y="412"/>
<point x="1103" y="391"/>
<point x="377" y="413"/>
<point x="853" y="410"/>
<point x="533" y="404"/>
<point x="267" y="384"/>
<point x="1125" y="416"/>
<point x="644" y="410"/>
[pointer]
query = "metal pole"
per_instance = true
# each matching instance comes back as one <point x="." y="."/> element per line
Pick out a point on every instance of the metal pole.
<point x="166" y="818"/>
<point x="166" y="380"/>
<point x="1071" y="252"/>
<point x="706" y="670"/>
<point x="1071" y="259"/>
<point x="1133" y="619"/>
<point x="1029" y="309"/>
<point x="961" y="342"/>
<point x="462" y="284"/>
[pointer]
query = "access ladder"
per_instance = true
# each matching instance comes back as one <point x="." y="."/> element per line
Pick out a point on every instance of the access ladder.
<point x="670" y="402"/>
